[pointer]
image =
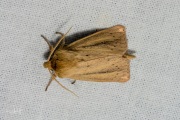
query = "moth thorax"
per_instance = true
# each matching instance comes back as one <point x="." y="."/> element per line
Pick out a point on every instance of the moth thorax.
<point x="47" y="64"/>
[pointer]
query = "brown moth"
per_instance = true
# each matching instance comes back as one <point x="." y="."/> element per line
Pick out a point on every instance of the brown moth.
<point x="100" y="57"/>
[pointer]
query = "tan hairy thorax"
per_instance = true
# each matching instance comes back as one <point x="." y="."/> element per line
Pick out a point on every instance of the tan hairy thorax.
<point x="100" y="57"/>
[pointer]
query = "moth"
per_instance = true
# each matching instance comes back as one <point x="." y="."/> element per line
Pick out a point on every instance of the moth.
<point x="100" y="57"/>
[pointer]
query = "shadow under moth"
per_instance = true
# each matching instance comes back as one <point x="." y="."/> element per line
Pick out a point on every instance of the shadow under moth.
<point x="100" y="57"/>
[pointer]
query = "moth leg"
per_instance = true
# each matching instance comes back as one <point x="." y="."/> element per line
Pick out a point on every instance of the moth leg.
<point x="63" y="40"/>
<point x="60" y="33"/>
<point x="128" y="56"/>
<point x="96" y="30"/>
<point x="73" y="82"/>
<point x="47" y="41"/>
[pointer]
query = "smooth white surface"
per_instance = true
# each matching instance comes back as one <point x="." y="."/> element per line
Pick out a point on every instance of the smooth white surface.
<point x="153" y="31"/>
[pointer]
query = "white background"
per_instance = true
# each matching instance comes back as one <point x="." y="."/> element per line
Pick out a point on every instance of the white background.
<point x="153" y="31"/>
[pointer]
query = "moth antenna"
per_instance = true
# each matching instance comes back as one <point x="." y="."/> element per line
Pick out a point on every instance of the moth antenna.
<point x="47" y="41"/>
<point x="49" y="80"/>
<point x="53" y="78"/>
<point x="65" y="87"/>
<point x="48" y="84"/>
<point x="58" y="44"/>
<point x="63" y="41"/>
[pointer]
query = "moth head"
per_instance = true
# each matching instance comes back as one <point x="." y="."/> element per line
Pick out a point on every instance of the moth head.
<point x="47" y="64"/>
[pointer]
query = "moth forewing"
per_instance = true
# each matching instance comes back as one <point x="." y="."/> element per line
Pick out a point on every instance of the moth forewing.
<point x="105" y="69"/>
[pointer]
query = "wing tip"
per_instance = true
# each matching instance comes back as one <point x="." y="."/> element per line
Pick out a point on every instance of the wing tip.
<point x="124" y="78"/>
<point x="120" y="28"/>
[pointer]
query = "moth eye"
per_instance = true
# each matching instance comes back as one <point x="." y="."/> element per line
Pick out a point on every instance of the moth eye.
<point x="87" y="55"/>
